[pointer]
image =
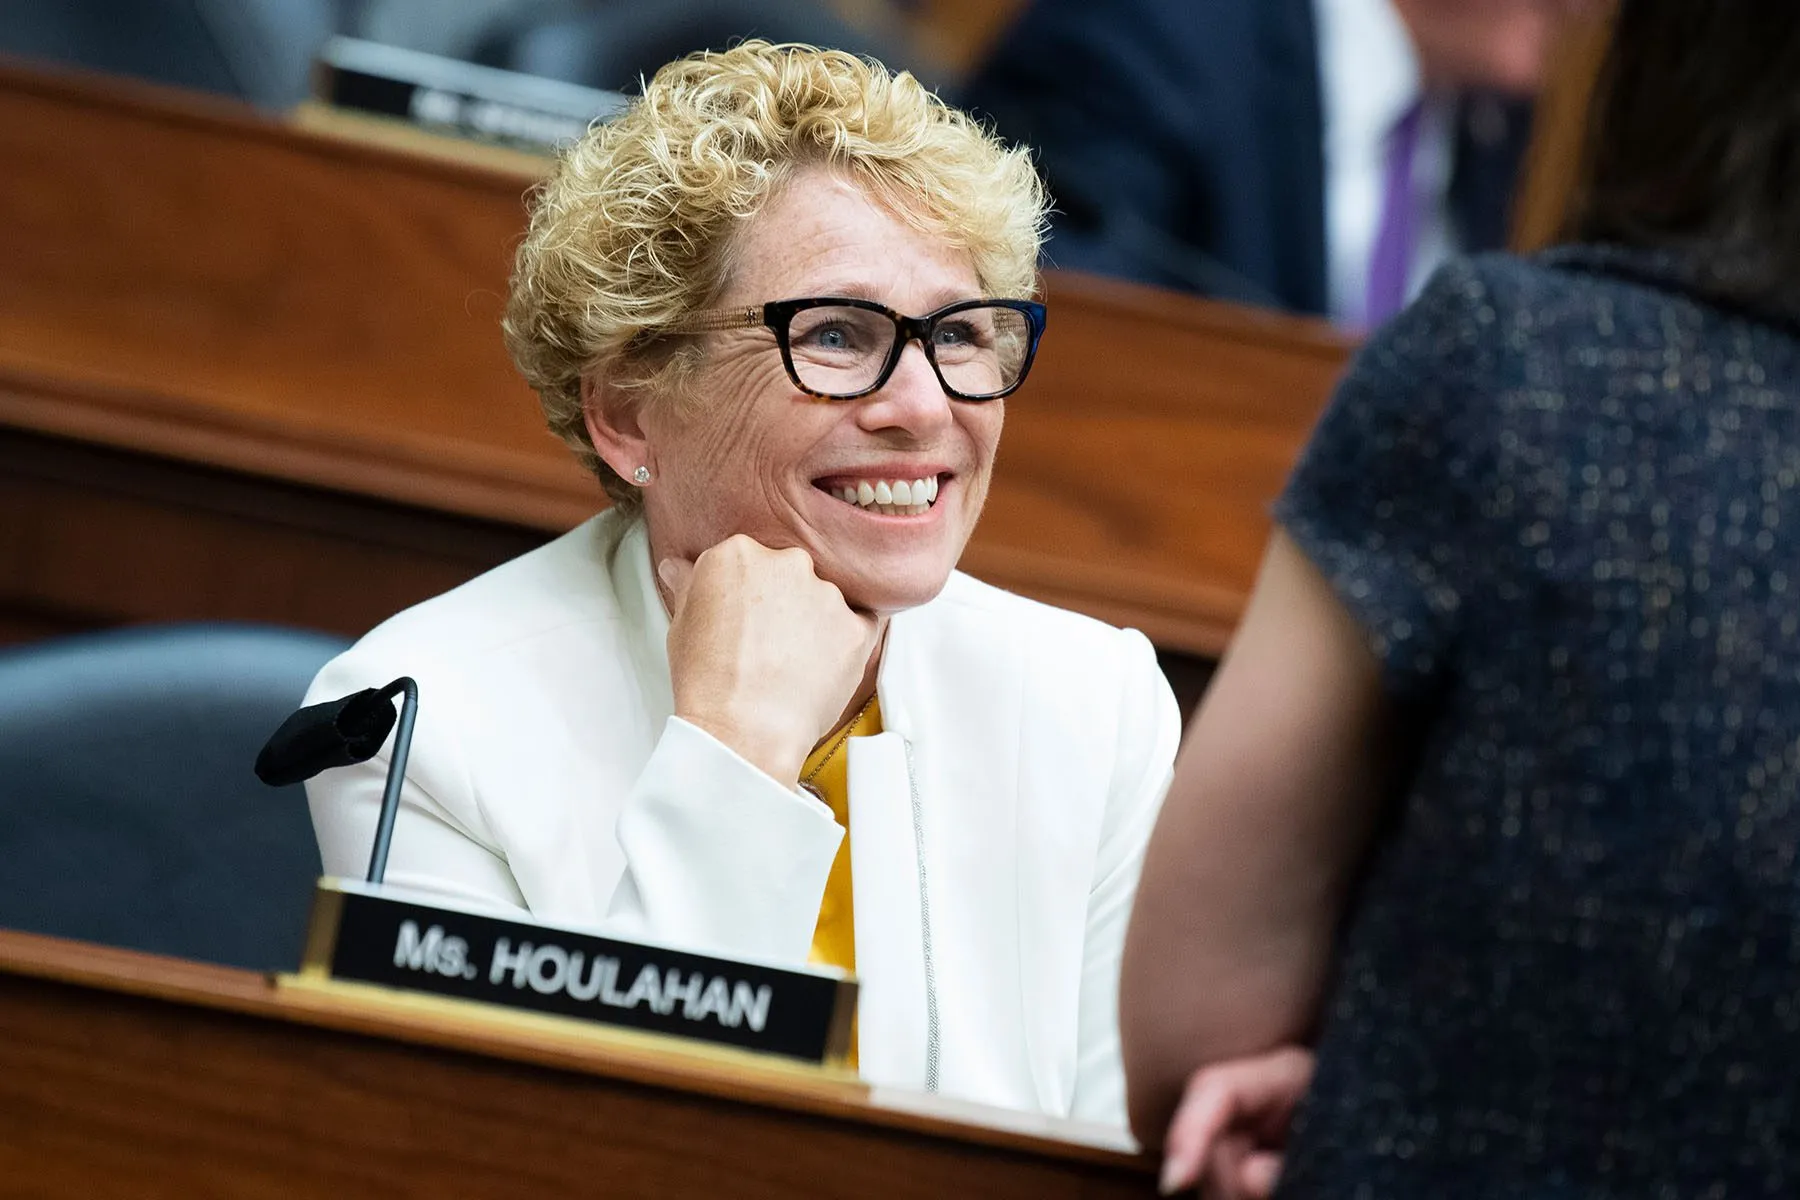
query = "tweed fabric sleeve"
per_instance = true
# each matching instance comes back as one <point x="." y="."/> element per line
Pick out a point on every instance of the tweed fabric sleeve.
<point x="1382" y="500"/>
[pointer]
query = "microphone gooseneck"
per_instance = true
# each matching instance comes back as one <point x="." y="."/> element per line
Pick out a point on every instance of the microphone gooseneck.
<point x="396" y="774"/>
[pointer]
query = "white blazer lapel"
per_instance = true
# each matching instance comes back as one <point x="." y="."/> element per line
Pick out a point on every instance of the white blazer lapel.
<point x="964" y="732"/>
<point x="893" y="1015"/>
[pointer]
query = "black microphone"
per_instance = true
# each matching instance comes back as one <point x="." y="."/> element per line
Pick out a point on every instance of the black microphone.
<point x="339" y="733"/>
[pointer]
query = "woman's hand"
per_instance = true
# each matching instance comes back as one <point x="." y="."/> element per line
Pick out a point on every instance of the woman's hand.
<point x="1229" y="1131"/>
<point x="764" y="655"/>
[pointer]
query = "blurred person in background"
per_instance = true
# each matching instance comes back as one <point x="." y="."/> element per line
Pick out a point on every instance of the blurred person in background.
<point x="753" y="709"/>
<point x="1322" y="156"/>
<point x="1495" y="801"/>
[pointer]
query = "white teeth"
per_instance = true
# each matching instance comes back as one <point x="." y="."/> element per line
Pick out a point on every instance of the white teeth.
<point x="891" y="497"/>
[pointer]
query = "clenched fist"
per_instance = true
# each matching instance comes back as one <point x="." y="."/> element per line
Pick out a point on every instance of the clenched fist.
<point x="764" y="655"/>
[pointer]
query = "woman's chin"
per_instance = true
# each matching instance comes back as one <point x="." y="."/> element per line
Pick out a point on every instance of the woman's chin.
<point x="893" y="591"/>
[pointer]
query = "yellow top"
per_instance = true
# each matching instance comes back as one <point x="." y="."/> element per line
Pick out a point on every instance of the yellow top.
<point x="827" y="770"/>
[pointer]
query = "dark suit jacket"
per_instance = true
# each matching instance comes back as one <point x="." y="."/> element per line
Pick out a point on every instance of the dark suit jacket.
<point x="1183" y="142"/>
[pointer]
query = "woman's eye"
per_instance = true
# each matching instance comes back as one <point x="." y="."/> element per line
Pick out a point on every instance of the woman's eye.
<point x="830" y="337"/>
<point x="955" y="333"/>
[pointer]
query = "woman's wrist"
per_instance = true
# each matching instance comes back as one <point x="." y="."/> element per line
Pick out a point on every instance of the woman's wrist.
<point x="776" y="753"/>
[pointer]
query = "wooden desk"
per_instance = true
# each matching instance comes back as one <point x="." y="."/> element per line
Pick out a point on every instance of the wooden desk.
<point x="250" y="371"/>
<point x="124" y="1074"/>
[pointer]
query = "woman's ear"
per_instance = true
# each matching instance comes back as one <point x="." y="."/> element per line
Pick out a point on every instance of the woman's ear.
<point x="612" y="422"/>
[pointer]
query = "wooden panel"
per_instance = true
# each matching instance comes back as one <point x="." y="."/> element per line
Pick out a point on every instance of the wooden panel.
<point x="94" y="536"/>
<point x="1553" y="163"/>
<point x="128" y="1075"/>
<point x="184" y="278"/>
<point x="951" y="35"/>
<point x="960" y="33"/>
<point x="1138" y="464"/>
<point x="186" y="281"/>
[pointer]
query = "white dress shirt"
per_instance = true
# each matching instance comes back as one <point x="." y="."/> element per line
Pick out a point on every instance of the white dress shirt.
<point x="1369" y="77"/>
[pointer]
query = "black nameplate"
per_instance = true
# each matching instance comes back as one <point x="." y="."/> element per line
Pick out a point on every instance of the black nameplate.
<point x="457" y="97"/>
<point x="365" y="936"/>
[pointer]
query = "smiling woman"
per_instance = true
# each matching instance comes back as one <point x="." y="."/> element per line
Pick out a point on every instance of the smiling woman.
<point x="756" y="458"/>
<point x="777" y="307"/>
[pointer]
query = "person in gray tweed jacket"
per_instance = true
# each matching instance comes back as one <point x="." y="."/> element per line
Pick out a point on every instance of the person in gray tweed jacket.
<point x="1490" y="827"/>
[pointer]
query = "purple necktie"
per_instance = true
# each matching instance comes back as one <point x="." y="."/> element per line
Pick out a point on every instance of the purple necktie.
<point x="1392" y="259"/>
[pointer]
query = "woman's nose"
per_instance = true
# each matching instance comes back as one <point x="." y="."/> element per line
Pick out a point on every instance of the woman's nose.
<point x="912" y="399"/>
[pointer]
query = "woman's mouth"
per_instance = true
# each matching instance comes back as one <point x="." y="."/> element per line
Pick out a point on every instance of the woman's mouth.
<point x="888" y="497"/>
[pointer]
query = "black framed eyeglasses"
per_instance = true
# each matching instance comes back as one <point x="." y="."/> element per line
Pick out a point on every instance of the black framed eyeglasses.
<point x="840" y="348"/>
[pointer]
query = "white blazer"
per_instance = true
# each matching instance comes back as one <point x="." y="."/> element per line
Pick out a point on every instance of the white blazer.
<point x="997" y="824"/>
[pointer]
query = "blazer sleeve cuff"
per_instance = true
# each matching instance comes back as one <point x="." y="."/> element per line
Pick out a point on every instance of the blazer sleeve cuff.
<point x="719" y="856"/>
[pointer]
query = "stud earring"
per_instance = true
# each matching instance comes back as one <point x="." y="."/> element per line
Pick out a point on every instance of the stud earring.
<point x="641" y="476"/>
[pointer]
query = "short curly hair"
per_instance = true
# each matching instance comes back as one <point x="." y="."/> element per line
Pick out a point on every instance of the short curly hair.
<point x="635" y="229"/>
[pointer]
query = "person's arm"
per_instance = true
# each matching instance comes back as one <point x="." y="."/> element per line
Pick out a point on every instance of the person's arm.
<point x="1384" y="556"/>
<point x="719" y="856"/>
<point x="724" y="851"/>
<point x="1275" y="797"/>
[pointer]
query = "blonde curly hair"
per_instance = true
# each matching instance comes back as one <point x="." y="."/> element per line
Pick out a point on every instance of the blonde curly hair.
<point x="635" y="229"/>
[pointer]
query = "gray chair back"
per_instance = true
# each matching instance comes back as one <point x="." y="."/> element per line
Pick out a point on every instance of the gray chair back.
<point x="128" y="811"/>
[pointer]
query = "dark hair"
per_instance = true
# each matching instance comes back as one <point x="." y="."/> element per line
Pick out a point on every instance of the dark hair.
<point x="1693" y="143"/>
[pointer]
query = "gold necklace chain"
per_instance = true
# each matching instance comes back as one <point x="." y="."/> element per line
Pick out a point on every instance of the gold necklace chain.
<point x="843" y="737"/>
